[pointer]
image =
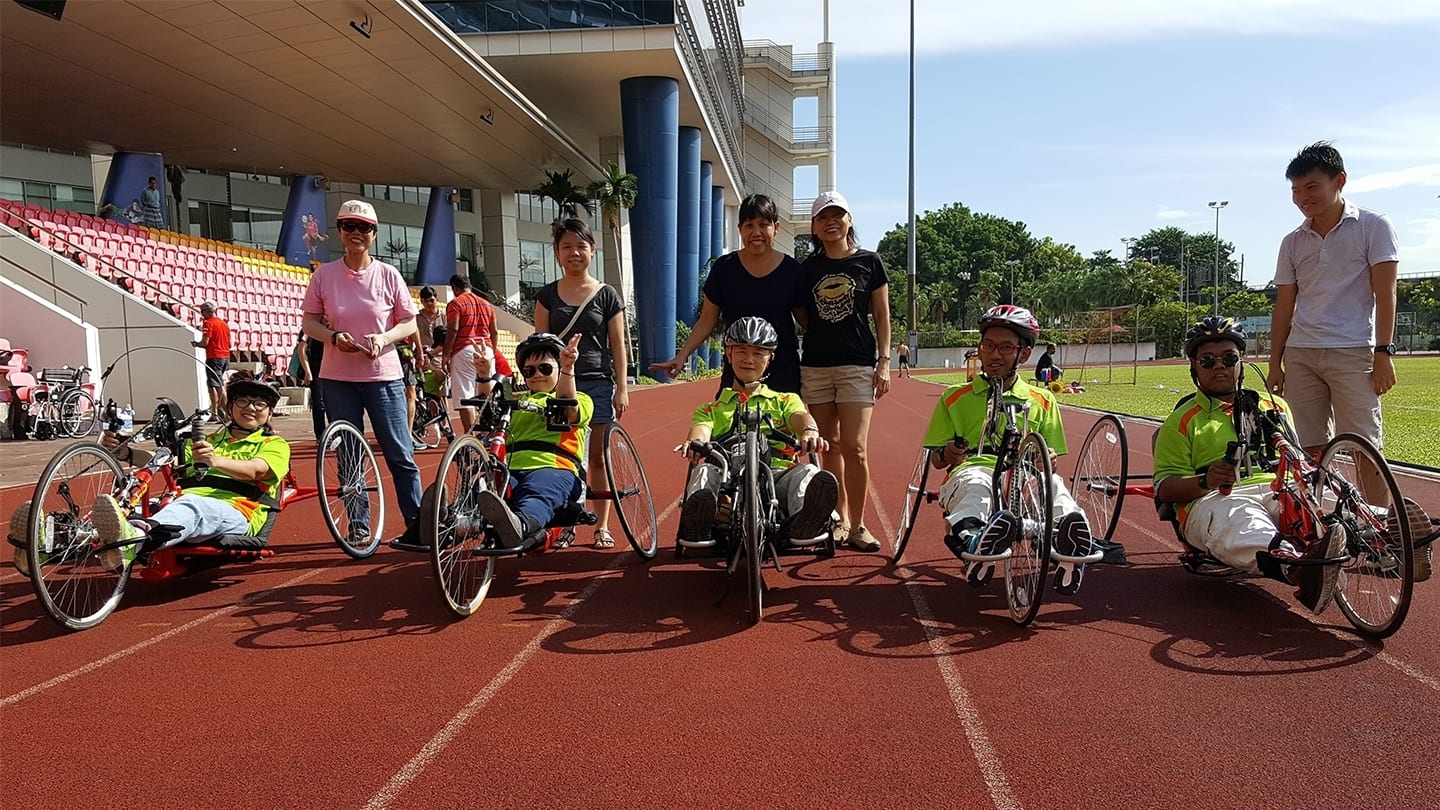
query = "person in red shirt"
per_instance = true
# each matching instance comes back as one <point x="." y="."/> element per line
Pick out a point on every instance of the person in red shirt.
<point x="469" y="328"/>
<point x="215" y="339"/>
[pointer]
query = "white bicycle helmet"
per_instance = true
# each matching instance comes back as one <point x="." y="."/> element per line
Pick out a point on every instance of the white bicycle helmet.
<point x="1018" y="319"/>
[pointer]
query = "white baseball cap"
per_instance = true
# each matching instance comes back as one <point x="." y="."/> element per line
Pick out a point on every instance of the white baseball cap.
<point x="826" y="200"/>
<point x="357" y="209"/>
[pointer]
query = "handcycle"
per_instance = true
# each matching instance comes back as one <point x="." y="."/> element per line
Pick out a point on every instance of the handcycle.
<point x="1022" y="484"/>
<point x="1376" y="579"/>
<point x="463" y="546"/>
<point x="432" y="418"/>
<point x="80" y="580"/>
<point x="749" y="531"/>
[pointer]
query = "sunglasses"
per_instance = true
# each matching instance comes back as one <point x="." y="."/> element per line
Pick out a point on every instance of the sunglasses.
<point x="1207" y="360"/>
<point x="543" y="369"/>
<point x="352" y="225"/>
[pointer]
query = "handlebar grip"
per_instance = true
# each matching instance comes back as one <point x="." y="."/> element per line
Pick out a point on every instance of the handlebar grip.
<point x="197" y="433"/>
<point x="1232" y="457"/>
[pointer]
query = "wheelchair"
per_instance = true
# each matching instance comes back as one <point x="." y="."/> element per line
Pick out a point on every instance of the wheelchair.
<point x="1376" y="580"/>
<point x="750" y="530"/>
<point x="463" y="547"/>
<point x="74" y="574"/>
<point x="1022" y="484"/>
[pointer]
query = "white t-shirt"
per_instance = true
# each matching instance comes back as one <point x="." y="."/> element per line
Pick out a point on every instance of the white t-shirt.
<point x="1334" y="305"/>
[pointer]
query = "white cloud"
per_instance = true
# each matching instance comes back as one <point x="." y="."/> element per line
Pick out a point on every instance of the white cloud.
<point x="1423" y="253"/>
<point x="1162" y="212"/>
<point x="1427" y="175"/>
<point x="946" y="26"/>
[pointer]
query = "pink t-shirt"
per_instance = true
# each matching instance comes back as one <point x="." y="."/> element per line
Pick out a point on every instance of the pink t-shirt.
<point x="364" y="303"/>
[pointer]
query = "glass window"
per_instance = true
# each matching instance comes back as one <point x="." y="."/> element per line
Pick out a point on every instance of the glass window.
<point x="467" y="200"/>
<point x="12" y="190"/>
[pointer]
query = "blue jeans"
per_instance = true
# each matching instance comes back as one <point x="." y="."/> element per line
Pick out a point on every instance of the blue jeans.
<point x="385" y="403"/>
<point x="200" y="518"/>
<point x="539" y="494"/>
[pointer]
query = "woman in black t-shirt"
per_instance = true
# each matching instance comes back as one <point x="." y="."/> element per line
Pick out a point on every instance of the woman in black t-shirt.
<point x="755" y="281"/>
<point x="843" y="371"/>
<point x="601" y="369"/>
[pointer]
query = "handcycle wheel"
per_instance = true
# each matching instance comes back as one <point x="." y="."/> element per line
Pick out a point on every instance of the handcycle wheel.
<point x="631" y="490"/>
<point x="62" y="545"/>
<point x="1029" y="495"/>
<point x="352" y="497"/>
<point x="450" y="522"/>
<point x="78" y="415"/>
<point x="1377" y="582"/>
<point x="754" y="528"/>
<point x="1101" y="469"/>
<point x="430" y="425"/>
<point x="914" y="497"/>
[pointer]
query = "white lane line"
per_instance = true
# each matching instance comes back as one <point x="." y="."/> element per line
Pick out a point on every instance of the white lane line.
<point x="150" y="642"/>
<point x="992" y="770"/>
<point x="432" y="749"/>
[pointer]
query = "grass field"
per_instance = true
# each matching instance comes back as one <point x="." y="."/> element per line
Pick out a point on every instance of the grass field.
<point x="1411" y="409"/>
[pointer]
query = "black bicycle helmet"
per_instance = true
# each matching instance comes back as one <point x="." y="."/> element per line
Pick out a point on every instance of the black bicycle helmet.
<point x="752" y="331"/>
<point x="1017" y="319"/>
<point x="242" y="385"/>
<point x="550" y="344"/>
<point x="1214" y="327"/>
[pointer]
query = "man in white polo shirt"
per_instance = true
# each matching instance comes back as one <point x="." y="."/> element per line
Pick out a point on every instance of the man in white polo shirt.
<point x="1332" y="334"/>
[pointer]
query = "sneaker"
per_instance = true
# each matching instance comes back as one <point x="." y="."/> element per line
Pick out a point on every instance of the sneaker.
<point x="697" y="516"/>
<point x="962" y="538"/>
<point x="1000" y="532"/>
<point x="819" y="502"/>
<point x="112" y="527"/>
<point x="1072" y="539"/>
<point x="1317" y="582"/>
<point x="418" y="445"/>
<point x="509" y="528"/>
<point x="19" y="525"/>
<point x="409" y="540"/>
<point x="1419" y="528"/>
<point x="861" y="539"/>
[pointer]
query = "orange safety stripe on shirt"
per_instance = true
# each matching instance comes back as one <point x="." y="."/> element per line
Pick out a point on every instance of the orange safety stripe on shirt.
<point x="959" y="392"/>
<point x="570" y="443"/>
<point x="1184" y="425"/>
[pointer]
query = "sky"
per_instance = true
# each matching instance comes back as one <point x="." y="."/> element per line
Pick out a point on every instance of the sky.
<point x="1098" y="120"/>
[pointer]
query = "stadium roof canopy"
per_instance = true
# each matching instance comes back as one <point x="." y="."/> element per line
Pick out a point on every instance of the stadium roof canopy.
<point x="274" y="87"/>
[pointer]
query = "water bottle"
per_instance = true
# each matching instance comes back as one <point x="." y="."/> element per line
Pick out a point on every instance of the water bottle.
<point x="127" y="420"/>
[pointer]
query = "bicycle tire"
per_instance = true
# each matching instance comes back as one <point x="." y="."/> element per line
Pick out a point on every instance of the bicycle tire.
<point x="634" y="504"/>
<point x="754" y="528"/>
<point x="1100" y="492"/>
<point x="352" y="496"/>
<point x="1377" y="582"/>
<point x="451" y="524"/>
<point x="62" y="545"/>
<point x="914" y="497"/>
<point x="1030" y="496"/>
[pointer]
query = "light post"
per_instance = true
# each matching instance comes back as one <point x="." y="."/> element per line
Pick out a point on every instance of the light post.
<point x="1217" y="206"/>
<point x="1012" y="263"/>
<point x="913" y="339"/>
<point x="1129" y="243"/>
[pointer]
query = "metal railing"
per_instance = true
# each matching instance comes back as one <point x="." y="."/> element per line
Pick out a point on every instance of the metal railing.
<point x="797" y="139"/>
<point x="726" y="103"/>
<point x="783" y="61"/>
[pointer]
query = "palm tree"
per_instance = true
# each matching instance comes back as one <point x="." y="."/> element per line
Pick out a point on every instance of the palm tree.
<point x="568" y="197"/>
<point x="613" y="192"/>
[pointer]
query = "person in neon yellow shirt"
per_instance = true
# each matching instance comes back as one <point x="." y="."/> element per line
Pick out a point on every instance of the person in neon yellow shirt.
<point x="546" y="466"/>
<point x="807" y="494"/>
<point x="1007" y="336"/>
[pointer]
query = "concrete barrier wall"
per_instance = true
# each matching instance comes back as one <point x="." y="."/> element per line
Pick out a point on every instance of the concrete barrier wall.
<point x="161" y="361"/>
<point x="1067" y="356"/>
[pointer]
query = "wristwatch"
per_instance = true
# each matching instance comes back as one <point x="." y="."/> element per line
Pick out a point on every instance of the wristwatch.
<point x="1387" y="348"/>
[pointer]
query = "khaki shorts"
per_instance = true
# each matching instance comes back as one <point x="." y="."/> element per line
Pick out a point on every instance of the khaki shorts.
<point x="822" y="385"/>
<point x="1329" y="391"/>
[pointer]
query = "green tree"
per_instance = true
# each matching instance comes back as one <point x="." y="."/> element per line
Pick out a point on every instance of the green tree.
<point x="801" y="251"/>
<point x="1195" y="253"/>
<point x="1244" y="303"/>
<point x="614" y="192"/>
<point x="568" y="197"/>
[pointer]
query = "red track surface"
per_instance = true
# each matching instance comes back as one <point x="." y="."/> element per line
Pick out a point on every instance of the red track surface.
<point x="590" y="679"/>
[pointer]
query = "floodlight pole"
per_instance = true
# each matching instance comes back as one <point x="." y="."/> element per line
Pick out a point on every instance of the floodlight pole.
<point x="1217" y="206"/>
<point x="913" y="316"/>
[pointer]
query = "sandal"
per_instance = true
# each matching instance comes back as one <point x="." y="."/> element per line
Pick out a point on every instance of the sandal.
<point x="603" y="539"/>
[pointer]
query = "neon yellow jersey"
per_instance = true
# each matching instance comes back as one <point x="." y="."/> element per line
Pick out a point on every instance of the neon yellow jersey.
<point x="778" y="405"/>
<point x="273" y="450"/>
<point x="528" y="432"/>
<point x="1196" y="434"/>
<point x="961" y="412"/>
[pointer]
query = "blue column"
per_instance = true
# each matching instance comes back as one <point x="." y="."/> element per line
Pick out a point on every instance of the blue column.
<point x="127" y="196"/>
<point x="304" y="229"/>
<point x="717" y="245"/>
<point x="687" y="245"/>
<point x="707" y="222"/>
<point x="437" y="248"/>
<point x="650" y="122"/>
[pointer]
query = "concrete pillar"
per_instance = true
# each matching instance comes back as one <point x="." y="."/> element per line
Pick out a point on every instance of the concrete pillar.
<point x="707" y="221"/>
<point x="305" y="228"/>
<point x="500" y="242"/>
<point x="650" y="114"/>
<point x="827" y="119"/>
<point x="687" y="227"/>
<point x="717" y="221"/>
<point x="437" y="248"/>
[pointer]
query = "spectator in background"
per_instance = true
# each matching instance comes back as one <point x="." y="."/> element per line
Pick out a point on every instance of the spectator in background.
<point x="1045" y="369"/>
<point x="152" y="205"/>
<point x="215" y="340"/>
<point x="311" y="353"/>
<point x="429" y="317"/>
<point x="469" y="326"/>
<point x="368" y="310"/>
<point x="1332" y="332"/>
<point x="577" y="303"/>
<point x="903" y="353"/>
<point x="755" y="281"/>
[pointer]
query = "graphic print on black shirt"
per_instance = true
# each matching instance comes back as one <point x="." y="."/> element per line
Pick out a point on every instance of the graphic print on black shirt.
<point x="839" y="304"/>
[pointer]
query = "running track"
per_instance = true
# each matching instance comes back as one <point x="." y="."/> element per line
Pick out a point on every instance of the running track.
<point x="590" y="679"/>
